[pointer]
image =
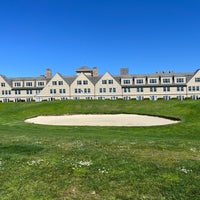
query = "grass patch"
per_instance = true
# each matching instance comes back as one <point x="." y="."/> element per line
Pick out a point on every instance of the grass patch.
<point x="51" y="162"/>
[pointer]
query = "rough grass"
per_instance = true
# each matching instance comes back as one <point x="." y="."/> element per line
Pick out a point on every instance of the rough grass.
<point x="54" y="162"/>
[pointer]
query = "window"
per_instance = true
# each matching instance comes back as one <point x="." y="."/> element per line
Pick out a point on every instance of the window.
<point x="3" y="84"/>
<point x="166" y="80"/>
<point x="126" y="90"/>
<point x="140" y="90"/>
<point x="17" y="92"/>
<point x="28" y="91"/>
<point x="17" y="84"/>
<point x="110" y="81"/>
<point x="78" y="90"/>
<point x="102" y="90"/>
<point x="85" y="82"/>
<point x="167" y="98"/>
<point x="52" y="91"/>
<point x="153" y="80"/>
<point x="79" y="82"/>
<point x="40" y="83"/>
<point x="6" y="92"/>
<point x="153" y="89"/>
<point x="112" y="90"/>
<point x="180" y="80"/>
<point x="28" y="84"/>
<point x="87" y="90"/>
<point x="166" y="89"/>
<point x="60" y="82"/>
<point x="104" y="81"/>
<point x="197" y="79"/>
<point x="37" y="91"/>
<point x="54" y="82"/>
<point x="139" y="81"/>
<point x="180" y="89"/>
<point x="189" y="88"/>
<point x="126" y="82"/>
<point x="62" y="91"/>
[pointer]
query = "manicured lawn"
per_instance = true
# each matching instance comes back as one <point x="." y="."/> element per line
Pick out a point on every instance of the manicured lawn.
<point x="57" y="162"/>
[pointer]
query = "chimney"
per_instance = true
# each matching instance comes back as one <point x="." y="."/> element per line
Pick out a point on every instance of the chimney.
<point x="48" y="73"/>
<point x="124" y="71"/>
<point x="95" y="72"/>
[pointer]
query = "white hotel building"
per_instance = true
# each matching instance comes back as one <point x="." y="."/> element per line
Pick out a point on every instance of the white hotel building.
<point x="88" y="84"/>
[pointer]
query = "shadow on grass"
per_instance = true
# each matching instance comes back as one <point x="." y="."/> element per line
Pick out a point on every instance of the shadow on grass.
<point x="20" y="149"/>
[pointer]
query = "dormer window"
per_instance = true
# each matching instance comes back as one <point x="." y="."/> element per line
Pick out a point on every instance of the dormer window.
<point x="153" y="80"/>
<point x="127" y="82"/>
<point x="17" y="84"/>
<point x="28" y="84"/>
<point x="139" y="81"/>
<point x="166" y="80"/>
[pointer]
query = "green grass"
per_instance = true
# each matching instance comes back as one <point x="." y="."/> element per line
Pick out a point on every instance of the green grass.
<point x="60" y="163"/>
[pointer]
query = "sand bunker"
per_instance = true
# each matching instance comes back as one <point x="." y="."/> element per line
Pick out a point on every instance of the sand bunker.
<point x="102" y="120"/>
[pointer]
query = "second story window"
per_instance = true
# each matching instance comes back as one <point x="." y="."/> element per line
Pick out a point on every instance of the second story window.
<point x="166" y="89"/>
<point x="153" y="89"/>
<point x="140" y="89"/>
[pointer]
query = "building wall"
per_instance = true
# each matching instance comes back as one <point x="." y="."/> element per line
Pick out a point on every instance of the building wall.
<point x="153" y="87"/>
<point x="56" y="88"/>
<point x="108" y="88"/>
<point x="82" y="88"/>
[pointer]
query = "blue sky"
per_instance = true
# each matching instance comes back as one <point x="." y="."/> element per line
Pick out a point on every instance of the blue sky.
<point x="144" y="35"/>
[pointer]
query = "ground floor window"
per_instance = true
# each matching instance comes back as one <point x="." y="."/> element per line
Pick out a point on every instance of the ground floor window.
<point x="180" y="97"/>
<point x="166" y="97"/>
<point x="139" y="98"/>
<point x="153" y="98"/>
<point x="194" y="97"/>
<point x="127" y="98"/>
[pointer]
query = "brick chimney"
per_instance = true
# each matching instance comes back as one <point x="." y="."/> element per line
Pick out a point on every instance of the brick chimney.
<point x="95" y="72"/>
<point x="124" y="71"/>
<point x="48" y="73"/>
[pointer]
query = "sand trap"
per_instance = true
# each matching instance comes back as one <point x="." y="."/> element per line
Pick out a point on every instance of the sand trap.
<point x="102" y="120"/>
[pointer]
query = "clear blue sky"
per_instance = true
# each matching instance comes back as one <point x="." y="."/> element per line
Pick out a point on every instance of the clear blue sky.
<point x="144" y="35"/>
